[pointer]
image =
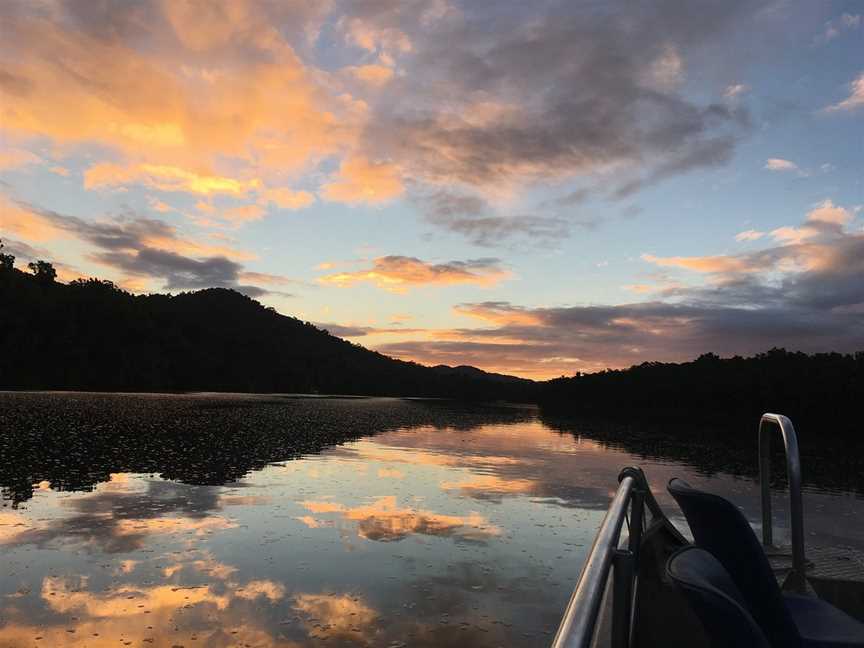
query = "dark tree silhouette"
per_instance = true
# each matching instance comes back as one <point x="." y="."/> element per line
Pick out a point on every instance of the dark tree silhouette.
<point x="7" y="261"/>
<point x="43" y="271"/>
<point x="90" y="335"/>
<point x="822" y="391"/>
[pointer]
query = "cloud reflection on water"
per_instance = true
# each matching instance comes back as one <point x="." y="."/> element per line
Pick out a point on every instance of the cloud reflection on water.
<point x="383" y="520"/>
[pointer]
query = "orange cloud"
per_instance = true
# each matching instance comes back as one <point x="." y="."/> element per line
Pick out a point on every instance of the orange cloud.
<point x="139" y="613"/>
<point x="397" y="273"/>
<point x="27" y="224"/>
<point x="336" y="615"/>
<point x="360" y="180"/>
<point x="13" y="158"/>
<point x="372" y="74"/>
<point x="288" y="199"/>
<point x="165" y="178"/>
<point x="855" y="100"/>
<point x="485" y="485"/>
<point x="185" y="246"/>
<point x="709" y="264"/>
<point x="265" y="278"/>
<point x="153" y="102"/>
<point x="828" y="212"/>
<point x="243" y="213"/>
<point x="173" y="525"/>
<point x="383" y="520"/>
<point x="500" y="314"/>
<point x="11" y="524"/>
<point x="824" y="216"/>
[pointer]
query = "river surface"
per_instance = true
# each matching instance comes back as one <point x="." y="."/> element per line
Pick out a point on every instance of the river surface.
<point x="235" y="520"/>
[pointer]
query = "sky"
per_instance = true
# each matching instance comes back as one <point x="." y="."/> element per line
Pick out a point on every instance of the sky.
<point x="530" y="188"/>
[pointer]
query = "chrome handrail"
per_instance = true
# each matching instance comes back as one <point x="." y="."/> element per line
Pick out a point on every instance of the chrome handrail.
<point x="580" y="617"/>
<point x="796" y="507"/>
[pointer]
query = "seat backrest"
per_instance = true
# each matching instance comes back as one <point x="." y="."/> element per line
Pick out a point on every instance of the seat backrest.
<point x="720" y="528"/>
<point x="712" y="595"/>
<point x="661" y="614"/>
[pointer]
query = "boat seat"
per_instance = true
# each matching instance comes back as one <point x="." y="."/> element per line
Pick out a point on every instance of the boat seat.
<point x="713" y="597"/>
<point x="789" y="621"/>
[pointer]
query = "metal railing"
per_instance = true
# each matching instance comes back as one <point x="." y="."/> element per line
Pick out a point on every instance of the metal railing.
<point x="578" y="626"/>
<point x="796" y="507"/>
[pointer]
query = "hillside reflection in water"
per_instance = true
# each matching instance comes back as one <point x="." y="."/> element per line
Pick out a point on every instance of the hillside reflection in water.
<point x="470" y="533"/>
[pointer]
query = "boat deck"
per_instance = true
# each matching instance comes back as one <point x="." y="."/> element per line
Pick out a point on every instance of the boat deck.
<point x="835" y="574"/>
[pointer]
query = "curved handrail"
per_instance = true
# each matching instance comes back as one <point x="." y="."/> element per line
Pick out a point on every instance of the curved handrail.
<point x="580" y="617"/>
<point x="793" y="471"/>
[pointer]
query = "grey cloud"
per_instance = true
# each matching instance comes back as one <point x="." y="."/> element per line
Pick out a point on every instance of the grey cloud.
<point x="122" y="244"/>
<point x="817" y="308"/>
<point x="23" y="250"/>
<point x="473" y="218"/>
<point x="580" y="88"/>
<point x="178" y="271"/>
<point x="615" y="336"/>
<point x="340" y="330"/>
<point x="713" y="152"/>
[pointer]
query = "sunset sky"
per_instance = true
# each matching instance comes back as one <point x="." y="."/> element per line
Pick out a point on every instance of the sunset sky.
<point x="536" y="188"/>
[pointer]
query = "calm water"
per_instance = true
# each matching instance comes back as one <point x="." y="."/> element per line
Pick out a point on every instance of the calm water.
<point x="164" y="521"/>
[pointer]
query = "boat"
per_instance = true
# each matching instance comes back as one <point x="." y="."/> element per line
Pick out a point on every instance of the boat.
<point x="644" y="584"/>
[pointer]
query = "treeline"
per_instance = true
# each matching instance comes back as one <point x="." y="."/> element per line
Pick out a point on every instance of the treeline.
<point x="823" y="392"/>
<point x="91" y="335"/>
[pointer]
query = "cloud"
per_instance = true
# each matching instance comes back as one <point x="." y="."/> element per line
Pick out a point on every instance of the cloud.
<point x="474" y="218"/>
<point x="824" y="217"/>
<point x="287" y="198"/>
<point x="120" y="233"/>
<point x="490" y="486"/>
<point x="828" y="212"/>
<point x="373" y="74"/>
<point x="243" y="213"/>
<point x="579" y="92"/>
<point x="854" y="101"/>
<point x="360" y="180"/>
<point x="129" y="83"/>
<point x="398" y="273"/>
<point x="265" y="278"/>
<point x="28" y="224"/>
<point x="749" y="235"/>
<point x="141" y="248"/>
<point x="165" y="178"/>
<point x="834" y="28"/>
<point x="383" y="520"/>
<point x="715" y="264"/>
<point x="779" y="164"/>
<point x="500" y="313"/>
<point x="339" y="616"/>
<point x="352" y="331"/>
<point x="804" y="292"/>
<point x="15" y="158"/>
<point x="735" y="90"/>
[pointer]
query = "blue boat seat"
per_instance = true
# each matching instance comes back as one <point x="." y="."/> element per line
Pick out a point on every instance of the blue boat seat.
<point x="788" y="621"/>
<point x="713" y="597"/>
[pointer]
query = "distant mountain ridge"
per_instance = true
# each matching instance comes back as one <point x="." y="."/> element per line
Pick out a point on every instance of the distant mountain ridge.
<point x="91" y="335"/>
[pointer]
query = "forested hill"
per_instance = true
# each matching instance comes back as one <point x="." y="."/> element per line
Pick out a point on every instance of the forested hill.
<point x="823" y="392"/>
<point x="90" y="335"/>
